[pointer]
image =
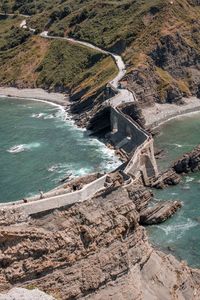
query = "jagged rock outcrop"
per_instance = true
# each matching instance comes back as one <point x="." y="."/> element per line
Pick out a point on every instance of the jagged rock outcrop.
<point x="140" y="197"/>
<point x="100" y="122"/>
<point x="12" y="216"/>
<point x="93" y="250"/>
<point x="171" y="68"/>
<point x="159" y="212"/>
<point x="189" y="162"/>
<point x="134" y="111"/>
<point x="90" y="111"/>
<point x="167" y="178"/>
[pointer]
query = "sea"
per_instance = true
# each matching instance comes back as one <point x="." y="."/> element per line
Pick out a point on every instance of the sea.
<point x="40" y="145"/>
<point x="180" y="235"/>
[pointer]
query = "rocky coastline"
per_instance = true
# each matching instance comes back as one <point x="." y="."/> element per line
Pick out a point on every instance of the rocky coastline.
<point x="111" y="219"/>
<point x="97" y="249"/>
<point x="93" y="250"/>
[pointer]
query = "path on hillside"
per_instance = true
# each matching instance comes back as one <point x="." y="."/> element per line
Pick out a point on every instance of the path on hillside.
<point x="89" y="190"/>
<point x="123" y="95"/>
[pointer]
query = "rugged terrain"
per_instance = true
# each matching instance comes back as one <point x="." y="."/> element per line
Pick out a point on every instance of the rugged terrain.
<point x="98" y="249"/>
<point x="158" y="40"/>
<point x="93" y="250"/>
<point x="29" y="61"/>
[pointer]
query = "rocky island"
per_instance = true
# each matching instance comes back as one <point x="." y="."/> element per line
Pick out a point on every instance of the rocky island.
<point x="85" y="239"/>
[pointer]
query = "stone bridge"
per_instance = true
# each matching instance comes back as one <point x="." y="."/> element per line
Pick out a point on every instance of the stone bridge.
<point x="127" y="135"/>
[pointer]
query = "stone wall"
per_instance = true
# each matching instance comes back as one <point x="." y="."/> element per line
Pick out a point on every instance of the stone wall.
<point x="34" y="207"/>
<point x="126" y="134"/>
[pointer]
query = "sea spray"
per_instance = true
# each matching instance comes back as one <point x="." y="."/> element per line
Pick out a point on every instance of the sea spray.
<point x="181" y="232"/>
<point x="50" y="148"/>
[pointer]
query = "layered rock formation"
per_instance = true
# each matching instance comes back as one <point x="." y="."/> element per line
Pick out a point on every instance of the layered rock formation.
<point x="93" y="250"/>
<point x="159" y="213"/>
<point x="25" y="294"/>
<point x="134" y="111"/>
<point x="166" y="178"/>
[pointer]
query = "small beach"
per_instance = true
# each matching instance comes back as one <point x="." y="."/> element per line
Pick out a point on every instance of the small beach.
<point x="161" y="113"/>
<point x="35" y="94"/>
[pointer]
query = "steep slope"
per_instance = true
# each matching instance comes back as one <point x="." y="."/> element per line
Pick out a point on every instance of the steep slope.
<point x="93" y="250"/>
<point x="27" y="60"/>
<point x="159" y="39"/>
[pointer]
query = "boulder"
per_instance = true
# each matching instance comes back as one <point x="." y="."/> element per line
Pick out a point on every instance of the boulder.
<point x="159" y="213"/>
<point x="169" y="177"/>
<point x="189" y="162"/>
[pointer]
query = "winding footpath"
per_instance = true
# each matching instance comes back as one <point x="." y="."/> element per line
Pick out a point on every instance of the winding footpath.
<point x="89" y="190"/>
<point x="123" y="95"/>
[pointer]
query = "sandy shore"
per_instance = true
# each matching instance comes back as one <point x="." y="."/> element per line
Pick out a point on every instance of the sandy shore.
<point x="38" y="94"/>
<point x="161" y="113"/>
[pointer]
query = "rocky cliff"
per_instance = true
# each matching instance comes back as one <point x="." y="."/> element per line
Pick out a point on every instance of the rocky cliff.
<point x="93" y="250"/>
<point x="189" y="162"/>
<point x="158" y="40"/>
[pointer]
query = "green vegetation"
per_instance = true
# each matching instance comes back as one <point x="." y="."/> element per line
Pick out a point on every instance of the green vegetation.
<point x="13" y="38"/>
<point x="133" y="28"/>
<point x="30" y="61"/>
<point x="69" y="65"/>
<point x="5" y="6"/>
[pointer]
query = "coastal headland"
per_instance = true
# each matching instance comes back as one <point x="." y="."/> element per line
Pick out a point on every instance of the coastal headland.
<point x="85" y="239"/>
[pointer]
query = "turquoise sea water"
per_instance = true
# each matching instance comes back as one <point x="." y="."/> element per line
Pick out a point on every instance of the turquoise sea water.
<point x="38" y="147"/>
<point x="180" y="234"/>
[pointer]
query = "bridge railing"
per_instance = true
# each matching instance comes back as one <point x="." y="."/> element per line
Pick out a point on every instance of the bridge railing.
<point x="34" y="207"/>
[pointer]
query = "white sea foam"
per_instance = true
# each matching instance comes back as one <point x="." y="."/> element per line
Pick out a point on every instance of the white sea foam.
<point x="50" y="116"/>
<point x="186" y="187"/>
<point x="189" y="179"/>
<point x="178" y="230"/>
<point x="16" y="149"/>
<point x="38" y="116"/>
<point x="23" y="147"/>
<point x="178" y="145"/>
<point x="174" y="144"/>
<point x="174" y="194"/>
<point x="72" y="170"/>
<point x="52" y="168"/>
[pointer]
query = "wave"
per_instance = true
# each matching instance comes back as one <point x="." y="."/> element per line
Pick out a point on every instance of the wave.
<point x="189" y="179"/>
<point x="72" y="169"/>
<point x="178" y="230"/>
<point x="23" y="147"/>
<point x="47" y="116"/>
<point x="174" y="193"/>
<point x="16" y="149"/>
<point x="186" y="187"/>
<point x="50" y="116"/>
<point x="178" y="145"/>
<point x="38" y="116"/>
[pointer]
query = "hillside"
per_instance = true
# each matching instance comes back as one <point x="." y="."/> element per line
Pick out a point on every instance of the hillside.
<point x="27" y="60"/>
<point x="159" y="40"/>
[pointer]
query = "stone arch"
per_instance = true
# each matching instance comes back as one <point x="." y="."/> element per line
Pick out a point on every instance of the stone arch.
<point x="147" y="168"/>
